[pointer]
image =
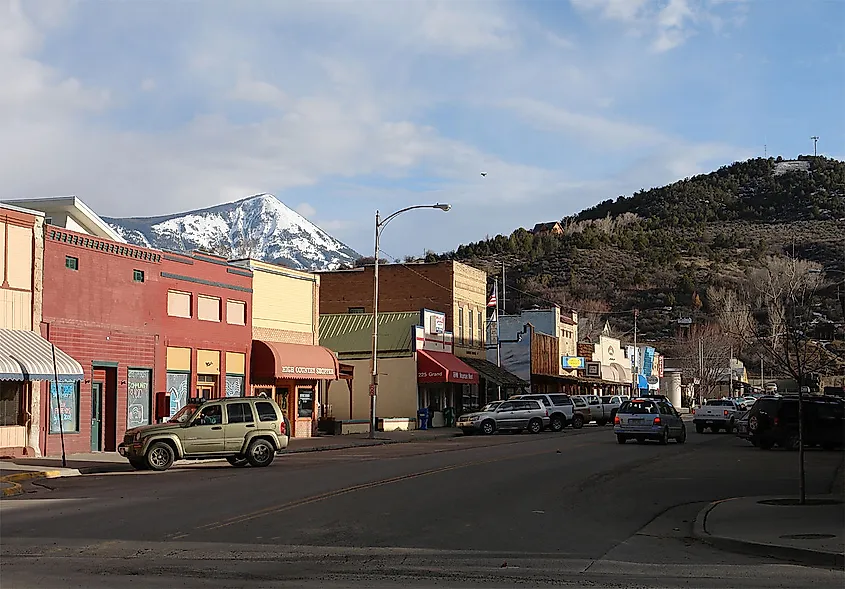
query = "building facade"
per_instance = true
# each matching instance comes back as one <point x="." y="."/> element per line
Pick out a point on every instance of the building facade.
<point x="455" y="289"/>
<point x="288" y="364"/>
<point x="27" y="361"/>
<point x="151" y="329"/>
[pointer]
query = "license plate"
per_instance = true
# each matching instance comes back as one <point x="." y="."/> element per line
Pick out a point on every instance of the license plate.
<point x="709" y="422"/>
<point x="635" y="421"/>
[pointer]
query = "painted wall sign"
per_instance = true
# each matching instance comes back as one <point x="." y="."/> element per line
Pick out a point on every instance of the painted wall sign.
<point x="137" y="398"/>
<point x="573" y="362"/>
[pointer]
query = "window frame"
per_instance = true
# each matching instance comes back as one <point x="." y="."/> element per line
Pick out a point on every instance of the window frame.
<point x="228" y="315"/>
<point x="136" y="273"/>
<point x="219" y="304"/>
<point x="72" y="263"/>
<point x="190" y="296"/>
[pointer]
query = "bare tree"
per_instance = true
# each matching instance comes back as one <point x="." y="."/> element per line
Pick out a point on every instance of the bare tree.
<point x="705" y="351"/>
<point x="780" y="300"/>
<point x="592" y="316"/>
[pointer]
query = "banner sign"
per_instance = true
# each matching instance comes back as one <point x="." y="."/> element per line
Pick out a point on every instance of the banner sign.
<point x="573" y="362"/>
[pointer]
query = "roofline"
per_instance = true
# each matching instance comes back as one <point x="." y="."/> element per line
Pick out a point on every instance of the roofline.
<point x="75" y="201"/>
<point x="21" y="209"/>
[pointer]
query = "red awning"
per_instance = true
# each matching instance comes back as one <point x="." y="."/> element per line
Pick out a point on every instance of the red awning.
<point x="443" y="367"/>
<point x="295" y="361"/>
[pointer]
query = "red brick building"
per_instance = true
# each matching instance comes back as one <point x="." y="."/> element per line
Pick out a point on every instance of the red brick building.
<point x="139" y="321"/>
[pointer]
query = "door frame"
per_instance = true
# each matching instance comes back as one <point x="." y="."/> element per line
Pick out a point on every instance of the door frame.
<point x="97" y="402"/>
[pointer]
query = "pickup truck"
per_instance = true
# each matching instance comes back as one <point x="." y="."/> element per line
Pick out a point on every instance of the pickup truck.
<point x="717" y="414"/>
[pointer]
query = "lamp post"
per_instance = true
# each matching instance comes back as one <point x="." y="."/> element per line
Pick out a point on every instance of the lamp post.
<point x="380" y="225"/>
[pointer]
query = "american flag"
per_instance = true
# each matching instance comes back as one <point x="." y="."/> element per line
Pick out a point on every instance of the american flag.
<point x="493" y="301"/>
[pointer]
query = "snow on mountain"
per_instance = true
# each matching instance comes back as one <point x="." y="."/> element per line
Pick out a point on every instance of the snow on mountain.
<point x="260" y="226"/>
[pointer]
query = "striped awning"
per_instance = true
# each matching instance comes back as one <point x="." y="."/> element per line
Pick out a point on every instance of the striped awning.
<point x="28" y="356"/>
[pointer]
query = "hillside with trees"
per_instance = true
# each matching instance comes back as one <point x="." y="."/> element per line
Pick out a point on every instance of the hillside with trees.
<point x="661" y="250"/>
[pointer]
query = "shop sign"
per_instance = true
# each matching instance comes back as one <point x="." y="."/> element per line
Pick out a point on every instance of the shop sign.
<point x="594" y="369"/>
<point x="573" y="362"/>
<point x="430" y="374"/>
<point x="307" y="370"/>
<point x="462" y="375"/>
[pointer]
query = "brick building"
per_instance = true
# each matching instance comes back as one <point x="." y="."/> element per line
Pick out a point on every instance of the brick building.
<point x="142" y="323"/>
<point x="458" y="290"/>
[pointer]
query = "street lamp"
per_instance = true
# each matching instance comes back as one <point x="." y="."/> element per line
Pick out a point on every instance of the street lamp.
<point x="380" y="225"/>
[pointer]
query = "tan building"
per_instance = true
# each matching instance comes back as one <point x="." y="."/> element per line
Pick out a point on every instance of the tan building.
<point x="453" y="288"/>
<point x="26" y="359"/>
<point x="287" y="363"/>
<point x="71" y="213"/>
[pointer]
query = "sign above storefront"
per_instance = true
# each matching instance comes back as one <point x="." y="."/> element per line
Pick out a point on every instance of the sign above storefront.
<point x="573" y="362"/>
<point x="308" y="370"/>
<point x="431" y="342"/>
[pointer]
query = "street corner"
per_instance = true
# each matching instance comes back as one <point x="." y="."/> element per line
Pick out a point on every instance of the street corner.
<point x="11" y="485"/>
<point x="810" y="534"/>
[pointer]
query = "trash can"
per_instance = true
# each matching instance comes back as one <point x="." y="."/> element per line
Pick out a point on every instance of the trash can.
<point x="449" y="416"/>
<point x="422" y="418"/>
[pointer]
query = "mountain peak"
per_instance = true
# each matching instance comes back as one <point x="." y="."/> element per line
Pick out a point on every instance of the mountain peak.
<point x="259" y="226"/>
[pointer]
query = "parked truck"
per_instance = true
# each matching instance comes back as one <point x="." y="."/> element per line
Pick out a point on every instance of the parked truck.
<point x="716" y="414"/>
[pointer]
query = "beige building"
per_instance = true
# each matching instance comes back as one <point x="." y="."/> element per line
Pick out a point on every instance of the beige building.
<point x="26" y="359"/>
<point x="287" y="363"/>
<point x="71" y="213"/>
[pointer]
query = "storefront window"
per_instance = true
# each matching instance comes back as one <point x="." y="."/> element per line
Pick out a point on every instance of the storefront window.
<point x="66" y="404"/>
<point x="234" y="385"/>
<point x="177" y="388"/>
<point x="306" y="403"/>
<point x="138" y="398"/>
<point x="206" y="386"/>
<point x="11" y="392"/>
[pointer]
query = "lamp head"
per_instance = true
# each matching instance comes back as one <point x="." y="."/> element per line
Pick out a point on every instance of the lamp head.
<point x="443" y="207"/>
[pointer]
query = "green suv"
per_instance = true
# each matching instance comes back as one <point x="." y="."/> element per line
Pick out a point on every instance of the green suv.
<point x="243" y="430"/>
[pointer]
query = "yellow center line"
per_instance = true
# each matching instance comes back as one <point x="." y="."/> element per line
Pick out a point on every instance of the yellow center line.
<point x="337" y="493"/>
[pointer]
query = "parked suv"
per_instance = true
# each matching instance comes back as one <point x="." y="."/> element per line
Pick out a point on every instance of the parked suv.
<point x="243" y="430"/>
<point x="513" y="414"/>
<point x="559" y="406"/>
<point x="774" y="421"/>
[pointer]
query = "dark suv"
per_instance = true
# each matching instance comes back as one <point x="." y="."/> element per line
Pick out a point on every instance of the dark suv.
<point x="774" y="421"/>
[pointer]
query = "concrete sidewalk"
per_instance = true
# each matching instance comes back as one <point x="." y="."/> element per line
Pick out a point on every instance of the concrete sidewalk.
<point x="811" y="534"/>
<point x="105" y="462"/>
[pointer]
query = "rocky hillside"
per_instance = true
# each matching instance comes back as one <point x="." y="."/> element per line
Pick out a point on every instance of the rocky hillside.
<point x="660" y="249"/>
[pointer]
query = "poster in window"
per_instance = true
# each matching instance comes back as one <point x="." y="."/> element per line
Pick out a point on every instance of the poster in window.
<point x="177" y="388"/>
<point x="66" y="405"/>
<point x="234" y="386"/>
<point x="306" y="402"/>
<point x="138" y="398"/>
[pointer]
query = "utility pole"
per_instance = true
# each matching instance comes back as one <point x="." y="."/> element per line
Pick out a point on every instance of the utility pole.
<point x="731" y="373"/>
<point x="636" y="372"/>
<point x="815" y="139"/>
<point x="762" y="382"/>
<point x="504" y="287"/>
<point x="700" y="371"/>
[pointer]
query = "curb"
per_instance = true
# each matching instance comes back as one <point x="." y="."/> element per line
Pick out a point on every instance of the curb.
<point x="800" y="555"/>
<point x="14" y="480"/>
<point x="376" y="442"/>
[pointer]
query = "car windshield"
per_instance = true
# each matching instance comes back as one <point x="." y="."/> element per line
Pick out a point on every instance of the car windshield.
<point x="491" y="406"/>
<point x="184" y="414"/>
<point x="605" y="399"/>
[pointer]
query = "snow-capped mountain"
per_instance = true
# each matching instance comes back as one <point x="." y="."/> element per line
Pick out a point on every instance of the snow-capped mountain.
<point x="260" y="226"/>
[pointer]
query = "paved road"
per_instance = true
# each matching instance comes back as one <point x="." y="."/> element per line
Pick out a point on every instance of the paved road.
<point x="553" y="509"/>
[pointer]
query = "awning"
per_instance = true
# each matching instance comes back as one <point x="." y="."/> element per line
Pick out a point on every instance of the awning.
<point x="443" y="367"/>
<point x="296" y="361"/>
<point x="495" y="374"/>
<point x="30" y="357"/>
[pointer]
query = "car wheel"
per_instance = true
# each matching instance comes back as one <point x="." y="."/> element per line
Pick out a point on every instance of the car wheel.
<point x="260" y="453"/>
<point x="664" y="437"/>
<point x="556" y="423"/>
<point x="238" y="461"/>
<point x="792" y="442"/>
<point x="731" y="426"/>
<point x="138" y="463"/>
<point x="488" y="427"/>
<point x="578" y="421"/>
<point x="621" y="439"/>
<point x="683" y="437"/>
<point x="753" y="424"/>
<point x="699" y="429"/>
<point x="535" y="426"/>
<point x="160" y="456"/>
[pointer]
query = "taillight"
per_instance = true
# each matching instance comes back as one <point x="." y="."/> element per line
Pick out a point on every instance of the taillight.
<point x="657" y="421"/>
<point x="547" y="412"/>
<point x="283" y="429"/>
<point x="776" y="421"/>
<point x="616" y="420"/>
<point x="726" y="412"/>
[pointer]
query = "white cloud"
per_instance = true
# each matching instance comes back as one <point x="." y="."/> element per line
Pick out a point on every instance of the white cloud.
<point x="148" y="84"/>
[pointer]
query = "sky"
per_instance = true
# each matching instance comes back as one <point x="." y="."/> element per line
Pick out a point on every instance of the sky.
<point x="342" y="108"/>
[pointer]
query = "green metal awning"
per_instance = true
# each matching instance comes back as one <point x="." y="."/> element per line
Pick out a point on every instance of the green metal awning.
<point x="351" y="334"/>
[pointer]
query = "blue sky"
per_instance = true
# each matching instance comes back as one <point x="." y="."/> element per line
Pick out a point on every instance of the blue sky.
<point x="341" y="108"/>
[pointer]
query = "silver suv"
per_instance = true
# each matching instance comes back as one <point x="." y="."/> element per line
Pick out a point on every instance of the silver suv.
<point x="513" y="415"/>
<point x="558" y="405"/>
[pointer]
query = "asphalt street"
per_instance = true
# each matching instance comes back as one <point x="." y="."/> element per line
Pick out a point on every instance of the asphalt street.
<point x="553" y="509"/>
